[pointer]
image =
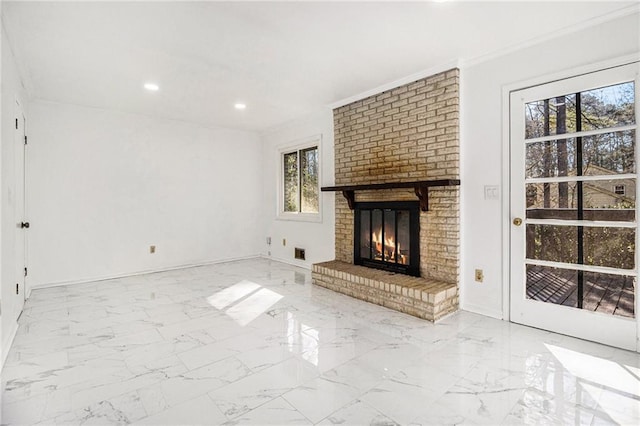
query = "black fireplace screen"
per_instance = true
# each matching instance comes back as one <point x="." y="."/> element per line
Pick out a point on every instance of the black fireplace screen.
<point x="387" y="236"/>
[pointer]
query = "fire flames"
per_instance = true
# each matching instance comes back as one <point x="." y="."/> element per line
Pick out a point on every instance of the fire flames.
<point x="386" y="252"/>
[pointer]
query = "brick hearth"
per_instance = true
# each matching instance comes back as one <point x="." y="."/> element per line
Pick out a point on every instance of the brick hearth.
<point x="423" y="298"/>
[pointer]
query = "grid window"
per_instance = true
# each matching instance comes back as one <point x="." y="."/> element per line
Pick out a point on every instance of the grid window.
<point x="300" y="181"/>
<point x="580" y="158"/>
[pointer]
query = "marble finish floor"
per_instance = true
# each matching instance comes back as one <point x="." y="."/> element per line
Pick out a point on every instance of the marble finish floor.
<point x="254" y="342"/>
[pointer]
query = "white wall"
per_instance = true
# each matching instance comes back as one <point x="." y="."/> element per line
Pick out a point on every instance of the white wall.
<point x="104" y="186"/>
<point x="481" y="143"/>
<point x="316" y="238"/>
<point x="11" y="302"/>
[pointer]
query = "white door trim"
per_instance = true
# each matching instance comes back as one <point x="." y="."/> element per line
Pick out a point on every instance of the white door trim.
<point x="20" y="188"/>
<point x="506" y="157"/>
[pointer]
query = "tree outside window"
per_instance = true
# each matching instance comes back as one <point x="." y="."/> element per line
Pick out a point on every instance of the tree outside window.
<point x="588" y="134"/>
<point x="300" y="180"/>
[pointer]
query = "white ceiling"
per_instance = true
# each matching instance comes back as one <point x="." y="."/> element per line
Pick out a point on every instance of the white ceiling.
<point x="284" y="60"/>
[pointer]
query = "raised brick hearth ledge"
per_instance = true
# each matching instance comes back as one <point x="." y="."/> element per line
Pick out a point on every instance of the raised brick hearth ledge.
<point x="424" y="298"/>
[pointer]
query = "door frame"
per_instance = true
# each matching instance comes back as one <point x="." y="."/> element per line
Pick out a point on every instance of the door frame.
<point x="506" y="164"/>
<point x="21" y="185"/>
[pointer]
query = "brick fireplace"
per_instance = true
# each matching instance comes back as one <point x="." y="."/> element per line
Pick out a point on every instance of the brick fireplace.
<point x="405" y="135"/>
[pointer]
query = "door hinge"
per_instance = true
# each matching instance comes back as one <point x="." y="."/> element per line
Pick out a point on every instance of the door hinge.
<point x="26" y="272"/>
<point x="16" y="124"/>
<point x="17" y="288"/>
<point x="25" y="139"/>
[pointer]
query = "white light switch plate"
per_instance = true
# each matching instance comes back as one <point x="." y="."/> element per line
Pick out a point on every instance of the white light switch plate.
<point x="491" y="192"/>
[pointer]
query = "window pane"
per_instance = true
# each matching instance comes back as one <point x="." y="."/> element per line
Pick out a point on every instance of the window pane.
<point x="612" y="247"/>
<point x="552" y="285"/>
<point x="309" y="178"/>
<point x="602" y="108"/>
<point x="291" y="182"/>
<point x="610" y="106"/>
<point x="609" y="153"/>
<point x="404" y="236"/>
<point x="609" y="294"/>
<point x="603" y="293"/>
<point x="600" y="201"/>
<point x="376" y="228"/>
<point x="553" y="116"/>
<point x="605" y="154"/>
<point x="365" y="234"/>
<point x="551" y="158"/>
<point x="389" y="236"/>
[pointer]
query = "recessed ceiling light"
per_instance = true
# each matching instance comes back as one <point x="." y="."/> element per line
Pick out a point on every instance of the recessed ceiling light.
<point x="151" y="87"/>
<point x="240" y="106"/>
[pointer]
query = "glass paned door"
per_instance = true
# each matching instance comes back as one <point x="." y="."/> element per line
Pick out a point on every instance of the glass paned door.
<point x="573" y="206"/>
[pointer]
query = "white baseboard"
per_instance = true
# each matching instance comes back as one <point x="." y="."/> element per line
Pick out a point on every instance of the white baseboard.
<point x="298" y="263"/>
<point x="476" y="309"/>
<point x="133" y="274"/>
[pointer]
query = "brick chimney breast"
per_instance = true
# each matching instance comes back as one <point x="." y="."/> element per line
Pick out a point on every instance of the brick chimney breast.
<point x="408" y="133"/>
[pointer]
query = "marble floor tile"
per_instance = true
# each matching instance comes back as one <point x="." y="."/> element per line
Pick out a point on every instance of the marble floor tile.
<point x="358" y="413"/>
<point x="254" y="342"/>
<point x="202" y="380"/>
<point x="197" y="411"/>
<point x="274" y="412"/>
<point x="483" y="396"/>
<point x="24" y="411"/>
<point x="254" y="390"/>
<point x="153" y="400"/>
<point x="410" y="392"/>
<point x="357" y="375"/>
<point x="123" y="409"/>
<point x="320" y="397"/>
<point x="206" y="354"/>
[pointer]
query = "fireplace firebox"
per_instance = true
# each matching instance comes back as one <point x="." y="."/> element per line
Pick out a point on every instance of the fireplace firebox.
<point x="387" y="236"/>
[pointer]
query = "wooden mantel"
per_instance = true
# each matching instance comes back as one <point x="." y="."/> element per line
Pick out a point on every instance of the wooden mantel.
<point x="421" y="188"/>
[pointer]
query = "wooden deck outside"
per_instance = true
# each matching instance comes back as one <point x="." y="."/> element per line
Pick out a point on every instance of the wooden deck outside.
<point x="608" y="294"/>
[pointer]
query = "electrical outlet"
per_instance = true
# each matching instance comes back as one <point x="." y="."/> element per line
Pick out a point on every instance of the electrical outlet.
<point x="152" y="249"/>
<point x="284" y="241"/>
<point x="479" y="275"/>
<point x="268" y="241"/>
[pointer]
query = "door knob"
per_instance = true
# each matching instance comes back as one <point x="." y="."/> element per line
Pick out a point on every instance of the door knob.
<point x="24" y="225"/>
<point x="517" y="221"/>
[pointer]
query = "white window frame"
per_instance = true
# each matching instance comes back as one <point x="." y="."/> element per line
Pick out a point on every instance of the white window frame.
<point x="301" y="144"/>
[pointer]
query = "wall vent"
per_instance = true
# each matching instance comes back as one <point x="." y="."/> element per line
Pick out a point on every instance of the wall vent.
<point x="300" y="254"/>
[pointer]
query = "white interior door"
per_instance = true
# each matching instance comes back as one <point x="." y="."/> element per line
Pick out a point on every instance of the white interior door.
<point x="20" y="241"/>
<point x="573" y="206"/>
